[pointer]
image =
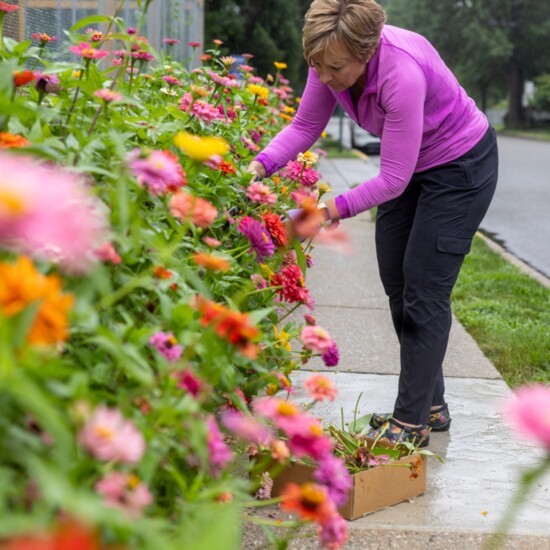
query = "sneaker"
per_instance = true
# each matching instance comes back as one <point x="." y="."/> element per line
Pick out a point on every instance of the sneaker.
<point x="439" y="421"/>
<point x="393" y="432"/>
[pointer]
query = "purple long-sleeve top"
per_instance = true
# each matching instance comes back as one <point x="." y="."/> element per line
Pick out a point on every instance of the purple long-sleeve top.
<point x="411" y="100"/>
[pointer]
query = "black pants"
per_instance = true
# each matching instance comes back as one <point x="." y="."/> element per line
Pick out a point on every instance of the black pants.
<point x="422" y="237"/>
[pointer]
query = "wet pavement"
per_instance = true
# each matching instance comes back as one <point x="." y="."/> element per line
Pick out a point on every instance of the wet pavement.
<point x="467" y="495"/>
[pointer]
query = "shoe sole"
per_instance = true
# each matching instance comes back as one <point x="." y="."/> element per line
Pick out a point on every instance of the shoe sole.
<point x="439" y="428"/>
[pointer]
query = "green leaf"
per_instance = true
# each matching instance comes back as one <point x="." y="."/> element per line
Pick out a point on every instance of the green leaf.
<point x="300" y="256"/>
<point x="90" y="20"/>
<point x="360" y="425"/>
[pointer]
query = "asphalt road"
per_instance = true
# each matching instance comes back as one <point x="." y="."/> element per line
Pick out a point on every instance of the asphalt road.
<point x="519" y="216"/>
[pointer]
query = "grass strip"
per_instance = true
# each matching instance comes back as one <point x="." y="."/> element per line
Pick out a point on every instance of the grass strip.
<point x="507" y="313"/>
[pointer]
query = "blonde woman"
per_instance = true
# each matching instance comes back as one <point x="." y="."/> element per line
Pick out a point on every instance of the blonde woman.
<point x="438" y="173"/>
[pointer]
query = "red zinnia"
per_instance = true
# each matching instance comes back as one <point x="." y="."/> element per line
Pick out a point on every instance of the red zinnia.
<point x="276" y="228"/>
<point x="226" y="168"/>
<point x="20" y="78"/>
<point x="293" y="289"/>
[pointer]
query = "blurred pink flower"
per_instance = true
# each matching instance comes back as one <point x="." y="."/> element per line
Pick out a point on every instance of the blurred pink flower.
<point x="86" y="50"/>
<point x="188" y="381"/>
<point x="333" y="474"/>
<point x="142" y="55"/>
<point x="336" y="239"/>
<point x="159" y="171"/>
<point x="171" y="81"/>
<point x="528" y="411"/>
<point x="320" y="388"/>
<point x="171" y="41"/>
<point x="194" y="44"/>
<point x="257" y="234"/>
<point x="49" y="213"/>
<point x="108" y="253"/>
<point x="260" y="192"/>
<point x="316" y="338"/>
<point x="107" y="95"/>
<point x="107" y="435"/>
<point x="247" y="427"/>
<point x="186" y="207"/>
<point x="125" y="492"/>
<point x="333" y="531"/>
<point x="219" y="452"/>
<point x="167" y="346"/>
<point x="296" y="171"/>
<point x="211" y="242"/>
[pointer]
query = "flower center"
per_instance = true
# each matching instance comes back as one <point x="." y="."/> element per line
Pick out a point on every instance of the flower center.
<point x="286" y="409"/>
<point x="11" y="202"/>
<point x="104" y="433"/>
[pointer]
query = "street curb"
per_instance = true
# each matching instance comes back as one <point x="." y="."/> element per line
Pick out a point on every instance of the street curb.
<point x="525" y="268"/>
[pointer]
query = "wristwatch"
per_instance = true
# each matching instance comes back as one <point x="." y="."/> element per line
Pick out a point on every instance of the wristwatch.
<point x="325" y="213"/>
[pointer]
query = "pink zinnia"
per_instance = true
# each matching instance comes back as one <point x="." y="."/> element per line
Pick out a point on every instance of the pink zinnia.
<point x="222" y="80"/>
<point x="259" y="237"/>
<point x="167" y="346"/>
<point x="125" y="492"/>
<point x="316" y="338"/>
<point x="260" y="192"/>
<point x="528" y="411"/>
<point x="294" y="289"/>
<point x="320" y="388"/>
<point x="189" y="382"/>
<point x="333" y="532"/>
<point x="219" y="453"/>
<point x="107" y="95"/>
<point x="194" y="44"/>
<point x="107" y="253"/>
<point x="186" y="207"/>
<point x="48" y="212"/>
<point x="142" y="55"/>
<point x="247" y="427"/>
<point x="333" y="474"/>
<point x="331" y="357"/>
<point x="159" y="171"/>
<point x="296" y="171"/>
<point x="171" y="41"/>
<point x="171" y="81"/>
<point x="88" y="52"/>
<point x="107" y="435"/>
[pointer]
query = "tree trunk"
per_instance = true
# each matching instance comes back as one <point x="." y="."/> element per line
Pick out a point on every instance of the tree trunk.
<point x="515" y="117"/>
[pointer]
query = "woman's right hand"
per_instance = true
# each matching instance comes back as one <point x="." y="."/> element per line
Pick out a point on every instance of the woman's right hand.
<point x="256" y="168"/>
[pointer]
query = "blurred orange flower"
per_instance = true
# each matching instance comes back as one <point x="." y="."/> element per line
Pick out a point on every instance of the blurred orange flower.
<point x="209" y="261"/>
<point x="12" y="141"/>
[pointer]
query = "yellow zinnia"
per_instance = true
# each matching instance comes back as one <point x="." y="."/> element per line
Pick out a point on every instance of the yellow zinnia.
<point x="201" y="148"/>
<point x="257" y="90"/>
<point x="279" y="65"/>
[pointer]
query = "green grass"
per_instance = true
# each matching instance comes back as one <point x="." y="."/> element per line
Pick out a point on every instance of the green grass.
<point x="539" y="133"/>
<point x="507" y="313"/>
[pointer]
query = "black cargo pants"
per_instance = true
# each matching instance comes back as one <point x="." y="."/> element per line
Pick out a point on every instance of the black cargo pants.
<point x="422" y="237"/>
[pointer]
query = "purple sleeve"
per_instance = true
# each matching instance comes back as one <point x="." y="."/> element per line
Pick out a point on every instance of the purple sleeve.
<point x="403" y="93"/>
<point x="311" y="119"/>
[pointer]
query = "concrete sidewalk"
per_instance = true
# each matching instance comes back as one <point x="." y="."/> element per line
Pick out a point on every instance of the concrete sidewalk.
<point x="468" y="494"/>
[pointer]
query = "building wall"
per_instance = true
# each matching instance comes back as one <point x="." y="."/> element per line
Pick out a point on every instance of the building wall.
<point x="181" y="19"/>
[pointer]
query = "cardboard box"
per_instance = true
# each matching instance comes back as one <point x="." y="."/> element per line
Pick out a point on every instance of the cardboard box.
<point x="372" y="489"/>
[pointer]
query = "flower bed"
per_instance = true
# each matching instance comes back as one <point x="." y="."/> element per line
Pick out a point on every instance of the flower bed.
<point x="146" y="285"/>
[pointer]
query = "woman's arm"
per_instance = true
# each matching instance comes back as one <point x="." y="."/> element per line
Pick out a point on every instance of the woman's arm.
<point x="314" y="112"/>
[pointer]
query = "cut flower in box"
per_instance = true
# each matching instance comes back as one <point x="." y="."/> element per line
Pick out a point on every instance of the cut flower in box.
<point x="370" y="476"/>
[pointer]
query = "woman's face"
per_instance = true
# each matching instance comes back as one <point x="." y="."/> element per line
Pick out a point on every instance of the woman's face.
<point x="337" y="68"/>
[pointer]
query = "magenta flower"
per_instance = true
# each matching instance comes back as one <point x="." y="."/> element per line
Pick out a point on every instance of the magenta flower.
<point x="159" y="171"/>
<point x="120" y="53"/>
<point x="107" y="435"/>
<point x="167" y="346"/>
<point x="528" y="411"/>
<point x="125" y="492"/>
<point x="143" y="55"/>
<point x="171" y="41"/>
<point x="194" y="44"/>
<point x="107" y="95"/>
<point x="131" y="31"/>
<point x="189" y="382"/>
<point x="47" y="83"/>
<point x="333" y="474"/>
<point x="222" y="80"/>
<point x="219" y="452"/>
<point x="43" y="38"/>
<point x="333" y="531"/>
<point x="48" y="212"/>
<point x="86" y="51"/>
<point x="171" y="81"/>
<point x="259" y="237"/>
<point x="331" y="357"/>
<point x="316" y="338"/>
<point x="296" y="171"/>
<point x="247" y="427"/>
<point x="260" y="192"/>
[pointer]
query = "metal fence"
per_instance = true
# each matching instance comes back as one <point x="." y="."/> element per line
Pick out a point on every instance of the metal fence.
<point x="180" y="19"/>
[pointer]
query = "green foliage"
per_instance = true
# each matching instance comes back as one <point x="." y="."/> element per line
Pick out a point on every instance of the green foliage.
<point x="542" y="93"/>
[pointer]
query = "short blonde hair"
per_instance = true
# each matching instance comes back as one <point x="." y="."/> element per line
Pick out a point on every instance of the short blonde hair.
<point x="356" y="24"/>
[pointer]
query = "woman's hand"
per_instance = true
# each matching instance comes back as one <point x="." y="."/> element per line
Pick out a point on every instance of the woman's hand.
<point x="256" y="168"/>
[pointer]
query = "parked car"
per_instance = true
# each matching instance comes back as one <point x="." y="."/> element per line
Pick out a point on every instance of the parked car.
<point x="364" y="141"/>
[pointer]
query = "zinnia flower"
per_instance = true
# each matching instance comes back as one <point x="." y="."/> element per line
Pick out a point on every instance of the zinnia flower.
<point x="200" y="148"/>
<point x="125" y="492"/>
<point x="22" y="285"/>
<point x="257" y="234"/>
<point x="186" y="207"/>
<point x="320" y="388"/>
<point x="260" y="192"/>
<point x="20" y="78"/>
<point x="211" y="262"/>
<point x="49" y="213"/>
<point x="331" y="357"/>
<point x="12" y="141"/>
<point x="167" y="346"/>
<point x="171" y="41"/>
<point x="247" y="427"/>
<point x="257" y="90"/>
<point x="159" y="171"/>
<point x="276" y="229"/>
<point x="279" y="65"/>
<point x="316" y="338"/>
<point x="528" y="411"/>
<point x="310" y="501"/>
<point x="333" y="532"/>
<point x="291" y="279"/>
<point x="188" y="381"/>
<point x="218" y="451"/>
<point x="7" y="8"/>
<point x="107" y="435"/>
<point x="107" y="95"/>
<point x="333" y="474"/>
<point x="87" y="51"/>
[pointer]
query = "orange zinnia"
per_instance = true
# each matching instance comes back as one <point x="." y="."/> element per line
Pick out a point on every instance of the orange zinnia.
<point x="209" y="261"/>
<point x="11" y="141"/>
<point x="20" y="78"/>
<point x="162" y="273"/>
<point x="20" y="286"/>
<point x="309" y="500"/>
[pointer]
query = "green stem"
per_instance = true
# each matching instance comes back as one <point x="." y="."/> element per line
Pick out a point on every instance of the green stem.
<point x="292" y="310"/>
<point x="73" y="104"/>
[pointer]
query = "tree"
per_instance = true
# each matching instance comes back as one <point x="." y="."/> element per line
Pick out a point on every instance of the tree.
<point x="271" y="31"/>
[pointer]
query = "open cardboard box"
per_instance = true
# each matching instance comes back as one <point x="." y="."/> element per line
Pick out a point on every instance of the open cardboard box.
<point x="373" y="489"/>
